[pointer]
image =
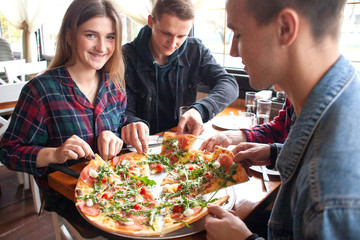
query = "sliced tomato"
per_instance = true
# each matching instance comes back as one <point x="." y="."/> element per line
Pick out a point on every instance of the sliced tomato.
<point x="105" y="179"/>
<point x="143" y="191"/>
<point x="178" y="209"/>
<point x="160" y="167"/>
<point x="138" y="207"/>
<point x="106" y="196"/>
<point x="191" y="168"/>
<point x="131" y="168"/>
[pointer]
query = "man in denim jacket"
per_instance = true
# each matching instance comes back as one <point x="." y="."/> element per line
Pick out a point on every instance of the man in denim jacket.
<point x="164" y="68"/>
<point x="294" y="44"/>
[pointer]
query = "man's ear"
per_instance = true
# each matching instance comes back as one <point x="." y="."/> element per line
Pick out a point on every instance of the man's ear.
<point x="288" y="26"/>
<point x="150" y="21"/>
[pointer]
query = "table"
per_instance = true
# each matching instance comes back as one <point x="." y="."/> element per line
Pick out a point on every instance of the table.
<point x="250" y="196"/>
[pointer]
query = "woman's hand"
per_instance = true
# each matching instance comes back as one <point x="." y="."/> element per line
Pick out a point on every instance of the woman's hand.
<point x="109" y="145"/>
<point x="73" y="148"/>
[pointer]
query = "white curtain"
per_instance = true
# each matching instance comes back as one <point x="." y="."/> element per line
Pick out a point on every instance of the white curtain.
<point x="27" y="15"/>
<point x="139" y="10"/>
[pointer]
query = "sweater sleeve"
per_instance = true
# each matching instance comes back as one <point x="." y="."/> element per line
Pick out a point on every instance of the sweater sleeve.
<point x="25" y="136"/>
<point x="223" y="86"/>
<point x="274" y="132"/>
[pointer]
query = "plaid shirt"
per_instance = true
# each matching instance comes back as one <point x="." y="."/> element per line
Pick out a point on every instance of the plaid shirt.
<point x="276" y="131"/>
<point x="51" y="108"/>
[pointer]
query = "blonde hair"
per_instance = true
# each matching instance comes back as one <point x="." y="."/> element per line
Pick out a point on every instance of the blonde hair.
<point x="79" y="12"/>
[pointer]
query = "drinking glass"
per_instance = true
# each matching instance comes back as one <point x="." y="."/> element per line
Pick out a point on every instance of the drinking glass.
<point x="250" y="102"/>
<point x="263" y="111"/>
<point x="247" y="120"/>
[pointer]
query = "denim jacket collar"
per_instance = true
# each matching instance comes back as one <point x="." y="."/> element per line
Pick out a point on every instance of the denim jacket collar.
<point x="310" y="116"/>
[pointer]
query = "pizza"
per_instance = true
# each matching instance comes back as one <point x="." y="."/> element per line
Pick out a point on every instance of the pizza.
<point x="120" y="195"/>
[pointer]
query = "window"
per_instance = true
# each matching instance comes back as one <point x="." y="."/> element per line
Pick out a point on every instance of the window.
<point x="350" y="33"/>
<point x="210" y="27"/>
<point x="12" y="35"/>
<point x="51" y="27"/>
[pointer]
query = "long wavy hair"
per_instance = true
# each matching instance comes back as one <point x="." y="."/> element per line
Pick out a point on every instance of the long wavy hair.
<point x="79" y="12"/>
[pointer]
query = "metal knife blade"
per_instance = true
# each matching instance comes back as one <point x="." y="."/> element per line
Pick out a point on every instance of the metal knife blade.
<point x="265" y="177"/>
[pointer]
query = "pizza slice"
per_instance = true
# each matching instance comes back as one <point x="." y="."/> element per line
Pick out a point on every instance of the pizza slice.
<point x="210" y="172"/>
<point x="176" y="146"/>
<point x="118" y="200"/>
<point x="223" y="171"/>
<point x="185" y="211"/>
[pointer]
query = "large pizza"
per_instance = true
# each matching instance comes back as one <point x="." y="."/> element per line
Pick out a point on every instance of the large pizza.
<point x="118" y="195"/>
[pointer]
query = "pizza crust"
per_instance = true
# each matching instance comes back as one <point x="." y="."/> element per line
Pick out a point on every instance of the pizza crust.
<point x="172" y="225"/>
<point x="85" y="186"/>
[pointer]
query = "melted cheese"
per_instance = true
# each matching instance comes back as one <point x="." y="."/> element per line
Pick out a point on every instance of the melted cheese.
<point x="188" y="212"/>
<point x="93" y="173"/>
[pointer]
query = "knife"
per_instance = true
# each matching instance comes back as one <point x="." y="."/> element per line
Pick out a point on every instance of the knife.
<point x="150" y="145"/>
<point x="264" y="176"/>
<point x="64" y="169"/>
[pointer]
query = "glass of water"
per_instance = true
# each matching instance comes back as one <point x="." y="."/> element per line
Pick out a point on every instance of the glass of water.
<point x="263" y="111"/>
<point x="250" y="102"/>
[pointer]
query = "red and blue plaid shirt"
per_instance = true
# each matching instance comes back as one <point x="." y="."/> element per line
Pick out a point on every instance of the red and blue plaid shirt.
<point x="276" y="131"/>
<point x="51" y="108"/>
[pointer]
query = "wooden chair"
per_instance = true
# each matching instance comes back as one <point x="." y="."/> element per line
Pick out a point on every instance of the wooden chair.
<point x="9" y="94"/>
<point x="18" y="72"/>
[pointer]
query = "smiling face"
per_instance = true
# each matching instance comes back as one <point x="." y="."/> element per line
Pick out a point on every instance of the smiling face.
<point x="168" y="34"/>
<point x="95" y="43"/>
<point x="253" y="43"/>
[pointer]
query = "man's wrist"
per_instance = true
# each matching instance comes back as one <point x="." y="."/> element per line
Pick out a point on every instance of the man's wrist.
<point x="273" y="155"/>
<point x="252" y="237"/>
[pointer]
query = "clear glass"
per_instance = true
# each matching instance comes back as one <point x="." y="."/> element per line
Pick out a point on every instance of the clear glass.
<point x="263" y="111"/>
<point x="250" y="102"/>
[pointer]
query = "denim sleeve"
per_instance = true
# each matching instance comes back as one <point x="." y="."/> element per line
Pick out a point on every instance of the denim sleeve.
<point x="339" y="221"/>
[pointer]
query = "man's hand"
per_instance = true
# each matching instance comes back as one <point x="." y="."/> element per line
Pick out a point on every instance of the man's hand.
<point x="109" y="144"/>
<point x="249" y="154"/>
<point x="191" y="122"/>
<point x="224" y="225"/>
<point x="137" y="135"/>
<point x="223" y="139"/>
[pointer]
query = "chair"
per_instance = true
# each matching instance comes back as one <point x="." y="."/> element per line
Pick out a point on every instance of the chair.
<point x="14" y="71"/>
<point x="3" y="78"/>
<point x="64" y="229"/>
<point x="6" y="53"/>
<point x="9" y="94"/>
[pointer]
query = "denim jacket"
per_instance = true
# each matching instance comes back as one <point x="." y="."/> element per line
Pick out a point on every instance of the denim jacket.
<point x="319" y="164"/>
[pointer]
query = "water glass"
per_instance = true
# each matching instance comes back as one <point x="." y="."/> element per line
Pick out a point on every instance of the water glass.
<point x="247" y="120"/>
<point x="263" y="111"/>
<point x="250" y="102"/>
